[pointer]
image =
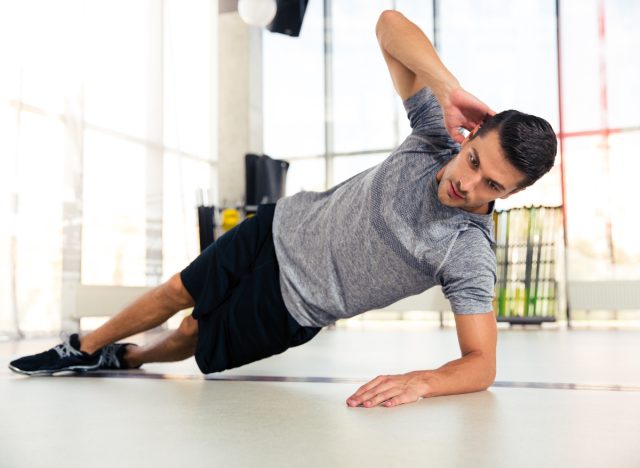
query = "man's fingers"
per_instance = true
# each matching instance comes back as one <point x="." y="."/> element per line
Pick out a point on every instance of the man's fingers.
<point x="390" y="390"/>
<point x="360" y="395"/>
<point x="454" y="131"/>
<point x="370" y="385"/>
<point x="382" y="396"/>
<point x="382" y="384"/>
<point x="457" y="137"/>
<point x="400" y="400"/>
<point x="371" y="394"/>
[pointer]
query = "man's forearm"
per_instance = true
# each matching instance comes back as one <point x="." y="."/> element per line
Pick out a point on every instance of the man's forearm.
<point x="405" y="42"/>
<point x="470" y="373"/>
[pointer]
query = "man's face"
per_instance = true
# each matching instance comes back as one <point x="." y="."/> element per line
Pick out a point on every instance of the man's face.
<point x="479" y="174"/>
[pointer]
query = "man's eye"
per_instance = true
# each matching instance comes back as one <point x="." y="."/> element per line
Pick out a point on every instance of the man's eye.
<point x="473" y="160"/>
<point x="493" y="186"/>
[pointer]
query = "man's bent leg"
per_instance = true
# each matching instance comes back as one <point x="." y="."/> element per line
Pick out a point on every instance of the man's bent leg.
<point x="150" y="310"/>
<point x="176" y="345"/>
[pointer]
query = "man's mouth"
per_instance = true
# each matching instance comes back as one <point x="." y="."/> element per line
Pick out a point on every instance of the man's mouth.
<point x="453" y="193"/>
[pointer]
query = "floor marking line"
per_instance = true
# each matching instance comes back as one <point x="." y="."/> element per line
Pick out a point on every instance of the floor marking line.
<point x="317" y="379"/>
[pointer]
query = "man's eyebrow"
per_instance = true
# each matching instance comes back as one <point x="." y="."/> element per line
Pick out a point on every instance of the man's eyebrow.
<point x="477" y="156"/>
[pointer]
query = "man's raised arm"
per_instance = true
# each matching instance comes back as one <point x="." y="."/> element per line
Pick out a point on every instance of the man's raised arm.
<point x="414" y="63"/>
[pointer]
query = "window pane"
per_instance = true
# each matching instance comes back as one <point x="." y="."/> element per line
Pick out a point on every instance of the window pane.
<point x="588" y="209"/>
<point x="71" y="66"/>
<point x="187" y="64"/>
<point x="348" y="166"/>
<point x="421" y="13"/>
<point x="8" y="148"/>
<point x="113" y="236"/>
<point x="580" y="67"/>
<point x="183" y="177"/>
<point x="11" y="28"/>
<point x="601" y="203"/>
<point x="49" y="51"/>
<point x="363" y="99"/>
<point x="39" y="221"/>
<point x="547" y="191"/>
<point x="625" y="167"/>
<point x="8" y="185"/>
<point x="293" y="89"/>
<point x="116" y="73"/>
<point x="503" y="52"/>
<point x="623" y="35"/>
<point x="306" y="175"/>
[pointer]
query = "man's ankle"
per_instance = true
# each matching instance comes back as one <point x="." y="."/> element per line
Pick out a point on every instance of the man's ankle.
<point x="129" y="358"/>
<point x="85" y="345"/>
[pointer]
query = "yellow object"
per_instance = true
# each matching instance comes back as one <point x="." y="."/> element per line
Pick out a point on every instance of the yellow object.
<point x="230" y="218"/>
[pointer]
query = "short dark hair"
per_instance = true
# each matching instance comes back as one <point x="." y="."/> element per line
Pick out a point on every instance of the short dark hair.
<point x="529" y="142"/>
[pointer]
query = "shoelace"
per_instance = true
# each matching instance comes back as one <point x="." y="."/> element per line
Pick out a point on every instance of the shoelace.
<point x="66" y="350"/>
<point x="108" y="356"/>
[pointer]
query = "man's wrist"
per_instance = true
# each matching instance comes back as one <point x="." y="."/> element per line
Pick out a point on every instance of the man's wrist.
<point x="428" y="378"/>
<point x="444" y="89"/>
<point x="470" y="373"/>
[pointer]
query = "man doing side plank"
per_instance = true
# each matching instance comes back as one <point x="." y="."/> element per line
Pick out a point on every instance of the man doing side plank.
<point x="421" y="218"/>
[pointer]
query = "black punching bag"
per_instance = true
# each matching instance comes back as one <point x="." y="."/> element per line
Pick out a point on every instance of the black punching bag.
<point x="265" y="178"/>
<point x="289" y="16"/>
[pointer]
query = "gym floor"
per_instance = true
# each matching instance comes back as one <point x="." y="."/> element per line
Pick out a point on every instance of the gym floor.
<point x="562" y="398"/>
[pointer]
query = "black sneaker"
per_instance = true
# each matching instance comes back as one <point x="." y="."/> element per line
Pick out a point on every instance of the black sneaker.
<point x="63" y="357"/>
<point x="112" y="356"/>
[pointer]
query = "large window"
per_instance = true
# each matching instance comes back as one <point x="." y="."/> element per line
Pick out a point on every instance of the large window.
<point x="363" y="117"/>
<point x="329" y="105"/>
<point x="507" y="54"/>
<point x="601" y="136"/>
<point x="294" y="124"/>
<point x="107" y="122"/>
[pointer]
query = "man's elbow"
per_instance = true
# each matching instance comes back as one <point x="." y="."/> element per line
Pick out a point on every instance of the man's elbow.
<point x="385" y="19"/>
<point x="488" y="370"/>
<point x="489" y="379"/>
<point x="490" y="375"/>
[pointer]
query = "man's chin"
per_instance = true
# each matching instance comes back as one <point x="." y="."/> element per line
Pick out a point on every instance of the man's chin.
<point x="446" y="200"/>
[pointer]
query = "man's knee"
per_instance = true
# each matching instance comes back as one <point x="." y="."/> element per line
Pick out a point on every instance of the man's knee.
<point x="189" y="327"/>
<point x="177" y="293"/>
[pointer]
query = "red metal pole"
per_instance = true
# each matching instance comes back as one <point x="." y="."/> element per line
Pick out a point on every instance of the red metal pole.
<point x="561" y="138"/>
<point x="604" y="116"/>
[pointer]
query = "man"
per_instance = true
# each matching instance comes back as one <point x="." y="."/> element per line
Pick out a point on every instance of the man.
<point x="419" y="219"/>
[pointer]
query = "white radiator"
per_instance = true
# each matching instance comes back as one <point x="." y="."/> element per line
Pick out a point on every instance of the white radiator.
<point x="604" y="295"/>
<point x="431" y="300"/>
<point x="81" y="300"/>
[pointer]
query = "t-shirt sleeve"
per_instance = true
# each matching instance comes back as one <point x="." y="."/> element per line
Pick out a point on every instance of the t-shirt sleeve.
<point x="468" y="274"/>
<point x="426" y="119"/>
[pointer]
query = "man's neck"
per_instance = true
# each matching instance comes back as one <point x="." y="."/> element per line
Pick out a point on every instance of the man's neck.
<point x="483" y="210"/>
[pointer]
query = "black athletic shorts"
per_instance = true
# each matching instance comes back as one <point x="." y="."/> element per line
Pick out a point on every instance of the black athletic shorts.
<point x="236" y="287"/>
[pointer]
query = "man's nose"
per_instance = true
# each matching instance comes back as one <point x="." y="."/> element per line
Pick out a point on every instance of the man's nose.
<point x="468" y="182"/>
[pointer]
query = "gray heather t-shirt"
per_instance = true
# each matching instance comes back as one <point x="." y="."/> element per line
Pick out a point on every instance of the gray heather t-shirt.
<point x="383" y="234"/>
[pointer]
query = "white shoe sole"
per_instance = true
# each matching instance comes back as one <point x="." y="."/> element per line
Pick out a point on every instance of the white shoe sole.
<point x="51" y="372"/>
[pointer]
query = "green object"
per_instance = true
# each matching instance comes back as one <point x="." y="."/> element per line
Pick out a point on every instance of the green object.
<point x="525" y="258"/>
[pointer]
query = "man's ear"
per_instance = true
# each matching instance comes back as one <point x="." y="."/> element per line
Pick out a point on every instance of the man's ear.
<point x="472" y="133"/>
<point x="504" y="197"/>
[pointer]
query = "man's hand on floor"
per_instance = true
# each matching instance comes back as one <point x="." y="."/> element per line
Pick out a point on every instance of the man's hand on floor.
<point x="391" y="390"/>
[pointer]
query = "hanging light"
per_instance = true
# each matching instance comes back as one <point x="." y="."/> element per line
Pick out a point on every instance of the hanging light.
<point x="257" y="12"/>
